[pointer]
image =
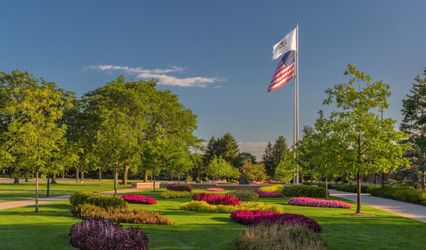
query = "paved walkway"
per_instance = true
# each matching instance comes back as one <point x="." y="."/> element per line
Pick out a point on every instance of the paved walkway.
<point x="405" y="209"/>
<point x="15" y="204"/>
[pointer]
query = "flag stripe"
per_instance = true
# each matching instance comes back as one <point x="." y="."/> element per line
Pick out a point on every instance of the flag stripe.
<point x="280" y="84"/>
<point x="284" y="72"/>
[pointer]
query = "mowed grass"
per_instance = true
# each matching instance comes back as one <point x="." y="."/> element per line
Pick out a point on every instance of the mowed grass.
<point x="26" y="190"/>
<point x="23" y="229"/>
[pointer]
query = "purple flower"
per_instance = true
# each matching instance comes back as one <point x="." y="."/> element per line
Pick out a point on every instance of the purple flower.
<point x="135" y="198"/>
<point x="268" y="194"/>
<point x="217" y="199"/>
<point x="313" y="202"/>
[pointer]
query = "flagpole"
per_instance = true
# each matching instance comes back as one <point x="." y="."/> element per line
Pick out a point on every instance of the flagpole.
<point x="296" y="106"/>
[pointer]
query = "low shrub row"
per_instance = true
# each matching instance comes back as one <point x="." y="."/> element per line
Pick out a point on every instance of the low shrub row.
<point x="305" y="191"/>
<point x="266" y="236"/>
<point x="253" y="217"/>
<point x="202" y="206"/>
<point x="170" y="194"/>
<point x="179" y="187"/>
<point x="121" y="215"/>
<point x="217" y="199"/>
<point x="273" y="188"/>
<point x="350" y="188"/>
<point x="313" y="202"/>
<point x="135" y="198"/>
<point x="245" y="195"/>
<point x="399" y="193"/>
<point x="97" y="233"/>
<point x="265" y="194"/>
<point x="104" y="201"/>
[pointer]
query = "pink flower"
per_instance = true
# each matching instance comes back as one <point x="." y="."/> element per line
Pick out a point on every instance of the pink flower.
<point x="135" y="198"/>
<point x="217" y="199"/>
<point x="254" y="217"/>
<point x="313" y="202"/>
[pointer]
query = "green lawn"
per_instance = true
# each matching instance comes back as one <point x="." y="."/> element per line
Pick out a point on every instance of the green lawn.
<point x="26" y="190"/>
<point x="23" y="229"/>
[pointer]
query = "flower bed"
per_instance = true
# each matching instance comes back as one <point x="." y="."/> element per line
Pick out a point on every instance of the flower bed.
<point x="312" y="202"/>
<point x="97" y="233"/>
<point x="202" y="206"/>
<point x="217" y="199"/>
<point x="135" y="198"/>
<point x="245" y="195"/>
<point x="105" y="201"/>
<point x="253" y="217"/>
<point x="215" y="189"/>
<point x="273" y="188"/>
<point x="180" y="187"/>
<point x="122" y="215"/>
<point x="170" y="194"/>
<point x="265" y="194"/>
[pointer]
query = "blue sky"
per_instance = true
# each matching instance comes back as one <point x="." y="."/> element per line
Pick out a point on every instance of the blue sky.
<point x="225" y="46"/>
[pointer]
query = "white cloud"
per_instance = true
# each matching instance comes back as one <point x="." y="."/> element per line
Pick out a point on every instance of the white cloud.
<point x="161" y="75"/>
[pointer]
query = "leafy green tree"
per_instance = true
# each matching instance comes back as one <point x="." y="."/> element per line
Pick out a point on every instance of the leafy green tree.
<point x="219" y="168"/>
<point x="369" y="144"/>
<point x="254" y="171"/>
<point x="210" y="151"/>
<point x="414" y="124"/>
<point x="31" y="111"/>
<point x="273" y="155"/>
<point x="285" y="168"/>
<point x="245" y="157"/>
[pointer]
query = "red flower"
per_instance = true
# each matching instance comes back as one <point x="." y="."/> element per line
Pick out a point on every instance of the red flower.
<point x="217" y="199"/>
<point x="135" y="198"/>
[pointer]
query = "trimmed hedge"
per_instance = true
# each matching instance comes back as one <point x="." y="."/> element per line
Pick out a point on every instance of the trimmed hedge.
<point x="399" y="193"/>
<point x="97" y="233"/>
<point x="267" y="236"/>
<point x="179" y="187"/>
<point x="245" y="195"/>
<point x="122" y="215"/>
<point x="350" y="188"/>
<point x="104" y="201"/>
<point x="202" y="206"/>
<point x="170" y="194"/>
<point x="305" y="191"/>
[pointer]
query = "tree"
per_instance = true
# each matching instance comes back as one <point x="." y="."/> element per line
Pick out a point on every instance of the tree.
<point x="285" y="168"/>
<point x="245" y="157"/>
<point x="367" y="142"/>
<point x="267" y="159"/>
<point x="227" y="148"/>
<point x="273" y="155"/>
<point x="414" y="124"/>
<point x="31" y="110"/>
<point x="219" y="168"/>
<point x="253" y="171"/>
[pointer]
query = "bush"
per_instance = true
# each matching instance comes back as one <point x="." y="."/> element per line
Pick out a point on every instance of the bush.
<point x="266" y="236"/>
<point x="104" y="201"/>
<point x="312" y="202"/>
<point x="350" y="188"/>
<point x="273" y="188"/>
<point x="254" y="217"/>
<point x="134" y="198"/>
<point x="170" y="194"/>
<point x="217" y="199"/>
<point x="202" y="206"/>
<point x="245" y="195"/>
<point x="399" y="193"/>
<point x="305" y="191"/>
<point x="97" y="233"/>
<point x="179" y="187"/>
<point x="122" y="215"/>
<point x="268" y="194"/>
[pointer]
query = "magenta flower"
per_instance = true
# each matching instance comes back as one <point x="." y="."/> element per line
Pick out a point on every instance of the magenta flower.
<point x="214" y="189"/>
<point x="313" y="202"/>
<point x="254" y="217"/>
<point x="217" y="199"/>
<point x="268" y="194"/>
<point x="135" y="198"/>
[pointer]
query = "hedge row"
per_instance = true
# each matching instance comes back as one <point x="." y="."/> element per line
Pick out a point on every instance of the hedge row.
<point x="103" y="201"/>
<point x="305" y="191"/>
<point x="350" y="188"/>
<point x="399" y="193"/>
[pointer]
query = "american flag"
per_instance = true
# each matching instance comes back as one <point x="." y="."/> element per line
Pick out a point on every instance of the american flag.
<point x="285" y="71"/>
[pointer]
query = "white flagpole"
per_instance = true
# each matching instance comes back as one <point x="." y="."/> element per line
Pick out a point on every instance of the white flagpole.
<point x="296" y="105"/>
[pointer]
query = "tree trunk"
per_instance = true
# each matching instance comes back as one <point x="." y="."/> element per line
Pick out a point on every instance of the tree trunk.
<point x="63" y="174"/>
<point x="153" y="179"/>
<point x="358" y="193"/>
<point x="312" y="179"/>
<point x="26" y="179"/>
<point x="81" y="177"/>
<point x="423" y="179"/>
<point x="326" y="187"/>
<point x="16" y="180"/>
<point x="36" y="193"/>
<point x="145" y="176"/>
<point x="178" y="177"/>
<point x="77" y="173"/>
<point x="53" y="179"/>
<point x="48" y="187"/>
<point x="100" y="174"/>
<point x="125" y="175"/>
<point x="115" y="180"/>
<point x="382" y="183"/>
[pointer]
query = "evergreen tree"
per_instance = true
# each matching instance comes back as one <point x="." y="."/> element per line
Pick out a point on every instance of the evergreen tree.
<point x="268" y="160"/>
<point x="414" y="124"/>
<point x="227" y="148"/>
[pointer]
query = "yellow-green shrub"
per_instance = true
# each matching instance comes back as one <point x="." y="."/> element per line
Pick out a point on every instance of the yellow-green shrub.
<point x="170" y="194"/>
<point x="273" y="188"/>
<point x="202" y="206"/>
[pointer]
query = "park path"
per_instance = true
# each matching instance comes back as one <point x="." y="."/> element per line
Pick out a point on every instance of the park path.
<point x="15" y="204"/>
<point x="404" y="209"/>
